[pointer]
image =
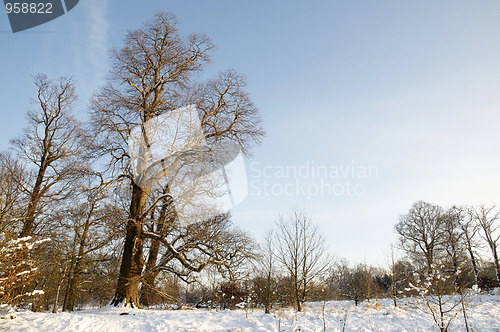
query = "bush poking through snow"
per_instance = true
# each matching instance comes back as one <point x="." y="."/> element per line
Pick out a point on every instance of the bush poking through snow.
<point x="17" y="270"/>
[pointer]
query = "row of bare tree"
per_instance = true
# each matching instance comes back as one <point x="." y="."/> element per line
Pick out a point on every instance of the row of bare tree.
<point x="456" y="237"/>
<point x="450" y="248"/>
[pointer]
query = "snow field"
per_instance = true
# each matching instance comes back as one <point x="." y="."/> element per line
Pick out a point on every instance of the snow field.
<point x="483" y="311"/>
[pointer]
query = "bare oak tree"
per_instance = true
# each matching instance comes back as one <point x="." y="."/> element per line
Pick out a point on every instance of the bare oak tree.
<point x="151" y="76"/>
<point x="420" y="233"/>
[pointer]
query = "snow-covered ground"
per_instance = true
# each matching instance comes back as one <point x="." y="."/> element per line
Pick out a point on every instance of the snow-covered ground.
<point x="483" y="311"/>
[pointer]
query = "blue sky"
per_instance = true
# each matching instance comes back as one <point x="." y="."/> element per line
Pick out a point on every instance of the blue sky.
<point x="408" y="87"/>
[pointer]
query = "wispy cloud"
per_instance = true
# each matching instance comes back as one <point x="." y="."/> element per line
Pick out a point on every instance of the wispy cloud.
<point x="97" y="28"/>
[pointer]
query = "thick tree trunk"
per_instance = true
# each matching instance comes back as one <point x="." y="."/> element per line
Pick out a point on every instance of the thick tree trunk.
<point x="72" y="294"/>
<point x="127" y="288"/>
<point x="29" y="219"/>
<point x="150" y="275"/>
<point x="166" y="217"/>
<point x="299" y="306"/>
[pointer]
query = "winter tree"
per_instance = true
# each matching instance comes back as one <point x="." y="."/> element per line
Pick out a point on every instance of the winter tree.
<point x="434" y="288"/>
<point x="470" y="231"/>
<point x="420" y="232"/>
<point x="152" y="75"/>
<point x="265" y="283"/>
<point x="91" y="225"/>
<point x="399" y="274"/>
<point x="301" y="250"/>
<point x="488" y="219"/>
<point x="51" y="144"/>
